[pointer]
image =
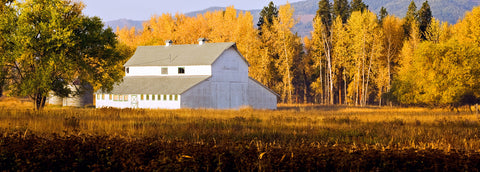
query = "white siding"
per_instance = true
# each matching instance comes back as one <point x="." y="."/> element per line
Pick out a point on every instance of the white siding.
<point x="230" y="67"/>
<point x="172" y="70"/>
<point x="226" y="89"/>
<point x="218" y="95"/>
<point x="259" y="97"/>
<point x="135" y="101"/>
<point x="200" y="96"/>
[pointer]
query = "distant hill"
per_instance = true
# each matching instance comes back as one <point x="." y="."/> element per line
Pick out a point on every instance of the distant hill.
<point x="444" y="10"/>
<point x="121" y="23"/>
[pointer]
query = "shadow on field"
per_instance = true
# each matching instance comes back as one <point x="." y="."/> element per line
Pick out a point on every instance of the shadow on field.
<point x="307" y="107"/>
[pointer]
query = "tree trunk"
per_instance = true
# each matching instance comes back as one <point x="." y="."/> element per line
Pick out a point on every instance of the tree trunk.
<point x="344" y="86"/>
<point x="39" y="101"/>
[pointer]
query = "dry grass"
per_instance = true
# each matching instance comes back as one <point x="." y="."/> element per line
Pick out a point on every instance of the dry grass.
<point x="385" y="127"/>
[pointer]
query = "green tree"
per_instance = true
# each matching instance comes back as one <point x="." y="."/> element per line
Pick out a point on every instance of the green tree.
<point x="322" y="33"/>
<point x="410" y="17"/>
<point x="382" y="15"/>
<point x="341" y="9"/>
<point x="358" y="5"/>
<point x="7" y="26"/>
<point x="96" y="54"/>
<point x="324" y="12"/>
<point x="267" y="15"/>
<point x="56" y="45"/>
<point x="424" y="18"/>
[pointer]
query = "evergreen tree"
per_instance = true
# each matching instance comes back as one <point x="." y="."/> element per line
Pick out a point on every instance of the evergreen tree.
<point x="424" y="18"/>
<point x="358" y="5"/>
<point x="324" y="12"/>
<point x="382" y="15"/>
<point x="410" y="17"/>
<point x="341" y="9"/>
<point x="267" y="15"/>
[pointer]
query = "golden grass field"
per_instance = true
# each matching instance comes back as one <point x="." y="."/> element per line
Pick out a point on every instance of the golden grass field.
<point x="377" y="128"/>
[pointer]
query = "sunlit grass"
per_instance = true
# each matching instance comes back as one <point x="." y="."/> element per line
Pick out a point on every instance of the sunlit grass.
<point x="384" y="127"/>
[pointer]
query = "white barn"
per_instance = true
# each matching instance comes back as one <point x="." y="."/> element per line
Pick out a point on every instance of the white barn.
<point x="204" y="75"/>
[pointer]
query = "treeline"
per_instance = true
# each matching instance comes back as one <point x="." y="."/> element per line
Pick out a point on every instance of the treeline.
<point x="353" y="56"/>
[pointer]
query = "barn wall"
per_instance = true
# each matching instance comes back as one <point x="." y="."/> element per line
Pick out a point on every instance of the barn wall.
<point x="172" y="70"/>
<point x="53" y="99"/>
<point x="229" y="80"/>
<point x="202" y="95"/>
<point x="82" y="100"/>
<point x="259" y="97"/>
<point x="230" y="67"/>
<point x="135" y="101"/>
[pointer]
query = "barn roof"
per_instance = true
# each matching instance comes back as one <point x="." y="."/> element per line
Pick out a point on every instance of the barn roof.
<point x="179" y="55"/>
<point x="156" y="84"/>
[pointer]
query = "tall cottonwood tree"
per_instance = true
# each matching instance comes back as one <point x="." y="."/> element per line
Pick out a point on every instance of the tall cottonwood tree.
<point x="342" y="56"/>
<point x="367" y="47"/>
<point x="321" y="38"/>
<point x="288" y="49"/>
<point x="393" y="42"/>
<point x="55" y="45"/>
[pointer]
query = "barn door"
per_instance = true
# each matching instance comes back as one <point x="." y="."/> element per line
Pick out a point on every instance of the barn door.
<point x="237" y="95"/>
<point x="223" y="95"/>
<point x="134" y="102"/>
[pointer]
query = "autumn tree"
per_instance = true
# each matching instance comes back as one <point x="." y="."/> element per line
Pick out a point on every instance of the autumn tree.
<point x="321" y="38"/>
<point x="393" y="43"/>
<point x="288" y="49"/>
<point x="366" y="47"/>
<point x="342" y="57"/>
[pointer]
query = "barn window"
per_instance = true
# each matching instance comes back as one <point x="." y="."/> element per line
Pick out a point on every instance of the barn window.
<point x="164" y="71"/>
<point x="98" y="97"/>
<point x="159" y="97"/>
<point x="127" y="70"/>
<point x="115" y="97"/>
<point x="171" y="97"/>
<point x="153" y="97"/>
<point x="181" y="70"/>
<point x="103" y="96"/>
<point x="164" y="97"/>
<point x="141" y="97"/>
<point x="148" y="96"/>
<point x="125" y="98"/>
<point x="110" y="96"/>
<point x="176" y="97"/>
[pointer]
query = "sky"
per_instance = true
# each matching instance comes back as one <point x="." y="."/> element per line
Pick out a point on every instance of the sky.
<point x="110" y="10"/>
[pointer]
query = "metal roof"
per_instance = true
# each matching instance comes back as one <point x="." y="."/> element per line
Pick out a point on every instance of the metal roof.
<point x="156" y="84"/>
<point x="179" y="55"/>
